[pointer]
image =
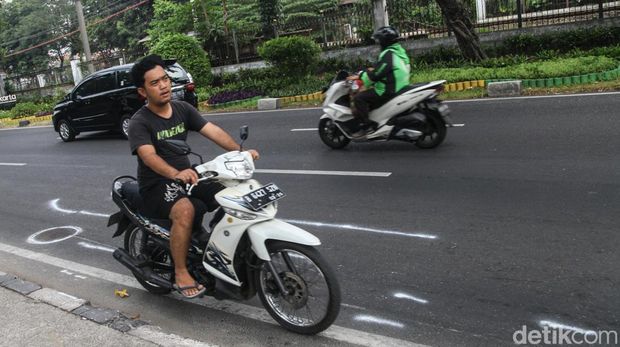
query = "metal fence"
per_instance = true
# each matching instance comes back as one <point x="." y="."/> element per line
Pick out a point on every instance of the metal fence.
<point x="43" y="83"/>
<point x="352" y="24"/>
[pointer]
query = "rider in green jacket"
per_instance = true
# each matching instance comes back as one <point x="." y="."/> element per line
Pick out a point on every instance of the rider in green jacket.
<point x="389" y="75"/>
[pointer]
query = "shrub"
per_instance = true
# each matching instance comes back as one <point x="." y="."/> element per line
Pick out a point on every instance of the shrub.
<point x="563" y="41"/>
<point x="292" y="55"/>
<point x="25" y="109"/>
<point x="187" y="51"/>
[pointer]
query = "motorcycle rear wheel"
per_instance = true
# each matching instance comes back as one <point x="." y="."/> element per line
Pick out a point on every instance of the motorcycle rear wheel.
<point x="434" y="133"/>
<point x="331" y="135"/>
<point x="140" y="246"/>
<point x="313" y="302"/>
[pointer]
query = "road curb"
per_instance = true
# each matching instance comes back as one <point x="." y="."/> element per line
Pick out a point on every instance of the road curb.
<point x="105" y="317"/>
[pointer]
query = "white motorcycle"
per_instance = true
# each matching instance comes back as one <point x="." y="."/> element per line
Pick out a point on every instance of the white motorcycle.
<point x="413" y="115"/>
<point x="245" y="250"/>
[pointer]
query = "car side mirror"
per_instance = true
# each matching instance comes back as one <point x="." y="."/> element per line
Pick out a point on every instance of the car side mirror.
<point x="179" y="147"/>
<point x="78" y="98"/>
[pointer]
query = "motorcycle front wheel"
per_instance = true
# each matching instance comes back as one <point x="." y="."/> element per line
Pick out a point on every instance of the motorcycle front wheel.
<point x="331" y="135"/>
<point x="312" y="301"/>
<point x="140" y="246"/>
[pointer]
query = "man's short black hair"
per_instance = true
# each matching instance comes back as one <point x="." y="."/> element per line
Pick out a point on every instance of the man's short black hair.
<point x="145" y="64"/>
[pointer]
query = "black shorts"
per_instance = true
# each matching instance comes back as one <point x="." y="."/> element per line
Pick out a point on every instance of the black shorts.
<point x="159" y="199"/>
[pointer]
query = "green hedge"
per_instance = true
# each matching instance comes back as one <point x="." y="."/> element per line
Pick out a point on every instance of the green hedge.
<point x="536" y="70"/>
<point x="188" y="53"/>
<point x="292" y="55"/>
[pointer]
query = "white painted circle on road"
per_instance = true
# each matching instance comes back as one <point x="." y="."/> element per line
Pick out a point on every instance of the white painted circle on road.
<point x="71" y="231"/>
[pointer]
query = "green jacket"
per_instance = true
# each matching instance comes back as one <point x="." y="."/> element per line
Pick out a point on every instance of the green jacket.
<point x="391" y="72"/>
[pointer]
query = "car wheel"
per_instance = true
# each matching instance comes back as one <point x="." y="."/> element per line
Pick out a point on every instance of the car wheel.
<point x="65" y="131"/>
<point x="125" y="126"/>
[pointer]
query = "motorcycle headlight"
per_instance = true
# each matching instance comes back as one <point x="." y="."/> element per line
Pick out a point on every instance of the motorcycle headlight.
<point x="239" y="214"/>
<point x="242" y="169"/>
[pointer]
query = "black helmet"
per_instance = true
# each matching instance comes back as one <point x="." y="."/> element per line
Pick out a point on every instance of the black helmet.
<point x="386" y="36"/>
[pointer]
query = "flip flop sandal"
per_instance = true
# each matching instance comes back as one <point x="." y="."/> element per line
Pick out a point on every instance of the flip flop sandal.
<point x="181" y="290"/>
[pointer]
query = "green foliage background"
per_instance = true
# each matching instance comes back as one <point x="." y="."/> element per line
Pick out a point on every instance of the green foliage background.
<point x="187" y="51"/>
<point x="293" y="55"/>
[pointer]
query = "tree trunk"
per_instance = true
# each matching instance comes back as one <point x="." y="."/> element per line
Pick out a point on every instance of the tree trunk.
<point x="461" y="25"/>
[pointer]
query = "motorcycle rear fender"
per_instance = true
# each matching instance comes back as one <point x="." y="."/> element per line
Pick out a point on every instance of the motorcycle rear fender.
<point x="122" y="220"/>
<point x="275" y="229"/>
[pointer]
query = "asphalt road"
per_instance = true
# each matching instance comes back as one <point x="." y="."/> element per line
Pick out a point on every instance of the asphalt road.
<point x="512" y="222"/>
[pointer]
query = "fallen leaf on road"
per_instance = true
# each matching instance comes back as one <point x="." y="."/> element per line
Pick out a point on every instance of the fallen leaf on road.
<point x="121" y="293"/>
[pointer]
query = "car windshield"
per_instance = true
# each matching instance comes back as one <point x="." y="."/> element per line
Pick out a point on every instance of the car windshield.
<point x="177" y="74"/>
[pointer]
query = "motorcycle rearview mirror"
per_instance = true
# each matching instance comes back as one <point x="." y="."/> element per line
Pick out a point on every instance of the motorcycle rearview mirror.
<point x="244" y="131"/>
<point x="179" y="147"/>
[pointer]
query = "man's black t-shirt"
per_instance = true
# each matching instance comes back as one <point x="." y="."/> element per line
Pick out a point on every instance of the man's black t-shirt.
<point x="147" y="128"/>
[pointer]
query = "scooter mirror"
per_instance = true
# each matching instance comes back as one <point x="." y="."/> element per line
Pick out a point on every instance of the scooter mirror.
<point x="244" y="131"/>
<point x="179" y="147"/>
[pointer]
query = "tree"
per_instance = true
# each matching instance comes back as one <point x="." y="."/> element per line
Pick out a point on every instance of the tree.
<point x="27" y="23"/>
<point x="187" y="51"/>
<point x="269" y="12"/>
<point x="170" y="17"/>
<point x="458" y="19"/>
<point x="122" y="32"/>
<point x="294" y="11"/>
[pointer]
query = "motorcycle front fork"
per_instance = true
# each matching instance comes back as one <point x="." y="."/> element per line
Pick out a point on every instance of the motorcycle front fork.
<point x="276" y="276"/>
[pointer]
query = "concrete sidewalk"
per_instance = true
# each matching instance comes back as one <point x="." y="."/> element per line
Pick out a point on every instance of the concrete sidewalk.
<point x="34" y="316"/>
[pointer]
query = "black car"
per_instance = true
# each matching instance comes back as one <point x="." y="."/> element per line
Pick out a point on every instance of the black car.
<point x="106" y="100"/>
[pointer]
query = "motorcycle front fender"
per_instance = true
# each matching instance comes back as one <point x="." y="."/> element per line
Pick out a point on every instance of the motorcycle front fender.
<point x="275" y="229"/>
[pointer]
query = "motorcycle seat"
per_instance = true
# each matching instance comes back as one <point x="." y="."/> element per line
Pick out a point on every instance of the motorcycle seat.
<point x="131" y="194"/>
<point x="410" y="87"/>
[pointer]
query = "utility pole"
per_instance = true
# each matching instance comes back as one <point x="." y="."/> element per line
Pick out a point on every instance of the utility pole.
<point x="84" y="35"/>
<point x="380" y="13"/>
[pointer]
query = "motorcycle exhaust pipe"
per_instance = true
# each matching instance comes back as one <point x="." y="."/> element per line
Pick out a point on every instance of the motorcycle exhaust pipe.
<point x="132" y="264"/>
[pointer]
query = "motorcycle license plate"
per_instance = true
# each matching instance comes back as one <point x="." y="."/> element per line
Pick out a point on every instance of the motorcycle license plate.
<point x="263" y="196"/>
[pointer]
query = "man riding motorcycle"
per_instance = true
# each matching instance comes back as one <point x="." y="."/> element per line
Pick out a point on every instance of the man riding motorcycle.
<point x="389" y="75"/>
<point x="160" y="171"/>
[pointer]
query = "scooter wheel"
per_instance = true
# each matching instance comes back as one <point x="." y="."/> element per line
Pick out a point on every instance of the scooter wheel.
<point x="331" y="135"/>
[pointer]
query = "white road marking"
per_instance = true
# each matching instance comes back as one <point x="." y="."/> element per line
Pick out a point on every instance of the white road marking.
<point x="13" y="164"/>
<point x="356" y="227"/>
<point x="458" y="125"/>
<point x="32" y="239"/>
<point x="268" y="111"/>
<point x="531" y="97"/>
<point x="377" y="320"/>
<point x="353" y="306"/>
<point x="328" y="173"/>
<point x="556" y="325"/>
<point x="410" y="297"/>
<point x="160" y="338"/>
<point x="91" y="246"/>
<point x="334" y="332"/>
<point x="66" y="272"/>
<point x="306" y="129"/>
<point x="54" y="205"/>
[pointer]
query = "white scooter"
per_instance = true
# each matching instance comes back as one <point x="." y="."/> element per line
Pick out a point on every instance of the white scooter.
<point x="245" y="251"/>
<point x="413" y="115"/>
